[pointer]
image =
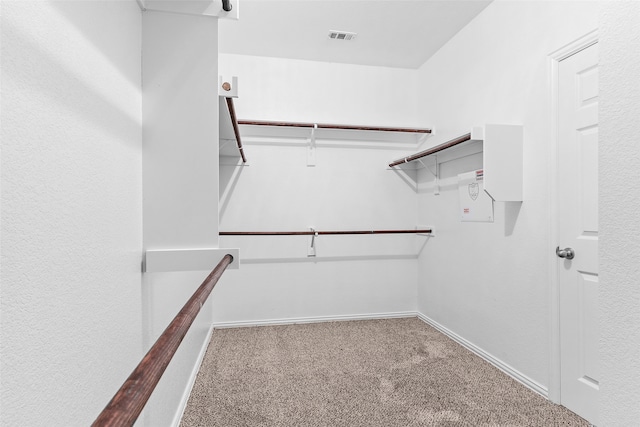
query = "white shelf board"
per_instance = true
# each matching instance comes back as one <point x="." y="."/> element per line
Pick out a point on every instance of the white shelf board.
<point x="196" y="259"/>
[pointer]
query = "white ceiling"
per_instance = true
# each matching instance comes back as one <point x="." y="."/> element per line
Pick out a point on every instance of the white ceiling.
<point x="392" y="33"/>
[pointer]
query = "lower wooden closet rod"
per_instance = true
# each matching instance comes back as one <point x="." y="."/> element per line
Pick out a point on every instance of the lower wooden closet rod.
<point x="318" y="233"/>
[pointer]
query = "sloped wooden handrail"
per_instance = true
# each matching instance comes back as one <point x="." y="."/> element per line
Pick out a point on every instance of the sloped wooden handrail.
<point x="126" y="405"/>
<point x="437" y="148"/>
<point x="320" y="233"/>
<point x="236" y="130"/>
<point x="333" y="126"/>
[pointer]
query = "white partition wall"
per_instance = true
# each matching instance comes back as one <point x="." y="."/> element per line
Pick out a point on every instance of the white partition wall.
<point x="180" y="183"/>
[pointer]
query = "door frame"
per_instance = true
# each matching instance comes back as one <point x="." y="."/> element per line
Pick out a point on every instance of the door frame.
<point x="554" y="59"/>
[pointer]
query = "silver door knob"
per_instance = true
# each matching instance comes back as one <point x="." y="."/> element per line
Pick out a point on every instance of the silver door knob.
<point x="567" y="253"/>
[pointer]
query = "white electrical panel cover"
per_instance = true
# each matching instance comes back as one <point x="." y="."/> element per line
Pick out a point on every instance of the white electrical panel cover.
<point x="475" y="203"/>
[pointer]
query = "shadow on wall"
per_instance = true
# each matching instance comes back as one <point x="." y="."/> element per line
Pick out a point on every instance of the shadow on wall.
<point x="229" y="177"/>
<point x="83" y="17"/>
<point x="408" y="175"/>
<point x="511" y="212"/>
<point x="63" y="87"/>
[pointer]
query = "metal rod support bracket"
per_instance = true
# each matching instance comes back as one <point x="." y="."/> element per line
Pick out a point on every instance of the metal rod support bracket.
<point x="312" y="249"/>
<point x="311" y="151"/>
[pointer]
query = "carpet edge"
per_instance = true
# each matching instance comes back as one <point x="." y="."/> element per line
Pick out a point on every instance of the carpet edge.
<point x="504" y="367"/>
<point x="314" y="319"/>
<point x="184" y="400"/>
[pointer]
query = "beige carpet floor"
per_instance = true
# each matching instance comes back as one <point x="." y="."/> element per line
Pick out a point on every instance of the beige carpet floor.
<point x="387" y="373"/>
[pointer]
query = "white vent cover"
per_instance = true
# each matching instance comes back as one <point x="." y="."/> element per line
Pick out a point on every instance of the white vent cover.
<point x="341" y="35"/>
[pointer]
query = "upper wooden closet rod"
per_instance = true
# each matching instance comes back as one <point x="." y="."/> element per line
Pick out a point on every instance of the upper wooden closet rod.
<point x="332" y="126"/>
<point x="320" y="233"/>
<point x="236" y="131"/>
<point x="444" y="146"/>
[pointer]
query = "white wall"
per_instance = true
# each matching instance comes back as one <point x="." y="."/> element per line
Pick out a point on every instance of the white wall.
<point x="180" y="179"/>
<point x="308" y="91"/>
<point x="71" y="208"/>
<point x="349" y="188"/>
<point x="495" y="70"/>
<point x="619" y="207"/>
<point x="180" y="107"/>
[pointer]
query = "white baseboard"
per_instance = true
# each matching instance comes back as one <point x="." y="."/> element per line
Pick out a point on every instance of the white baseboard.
<point x="192" y="381"/>
<point x="316" y="319"/>
<point x="509" y="370"/>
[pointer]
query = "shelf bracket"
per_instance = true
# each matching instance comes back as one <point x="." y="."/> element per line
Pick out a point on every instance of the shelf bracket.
<point x="311" y="149"/>
<point x="311" y="252"/>
<point x="436" y="186"/>
<point x="436" y="174"/>
<point x="226" y="89"/>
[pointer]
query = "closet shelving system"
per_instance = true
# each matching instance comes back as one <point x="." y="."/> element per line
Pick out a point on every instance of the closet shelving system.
<point x="334" y="126"/>
<point x="502" y="147"/>
<point x="322" y="233"/>
<point x="502" y="157"/>
<point x="231" y="141"/>
<point x="231" y="122"/>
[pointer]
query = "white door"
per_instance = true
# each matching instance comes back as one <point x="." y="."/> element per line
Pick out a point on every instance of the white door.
<point x="578" y="231"/>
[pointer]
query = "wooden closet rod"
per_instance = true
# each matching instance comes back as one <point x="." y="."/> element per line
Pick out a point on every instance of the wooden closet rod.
<point x="236" y="130"/>
<point x="320" y="233"/>
<point x="444" y="146"/>
<point x="332" y="126"/>
<point x="126" y="405"/>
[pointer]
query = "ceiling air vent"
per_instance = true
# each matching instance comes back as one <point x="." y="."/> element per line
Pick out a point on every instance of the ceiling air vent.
<point x="341" y="35"/>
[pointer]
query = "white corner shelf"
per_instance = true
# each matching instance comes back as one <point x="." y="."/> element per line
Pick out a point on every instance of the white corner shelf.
<point x="502" y="155"/>
<point x="187" y="259"/>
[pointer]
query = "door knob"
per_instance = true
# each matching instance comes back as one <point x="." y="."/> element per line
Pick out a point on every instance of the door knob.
<point x="567" y="253"/>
